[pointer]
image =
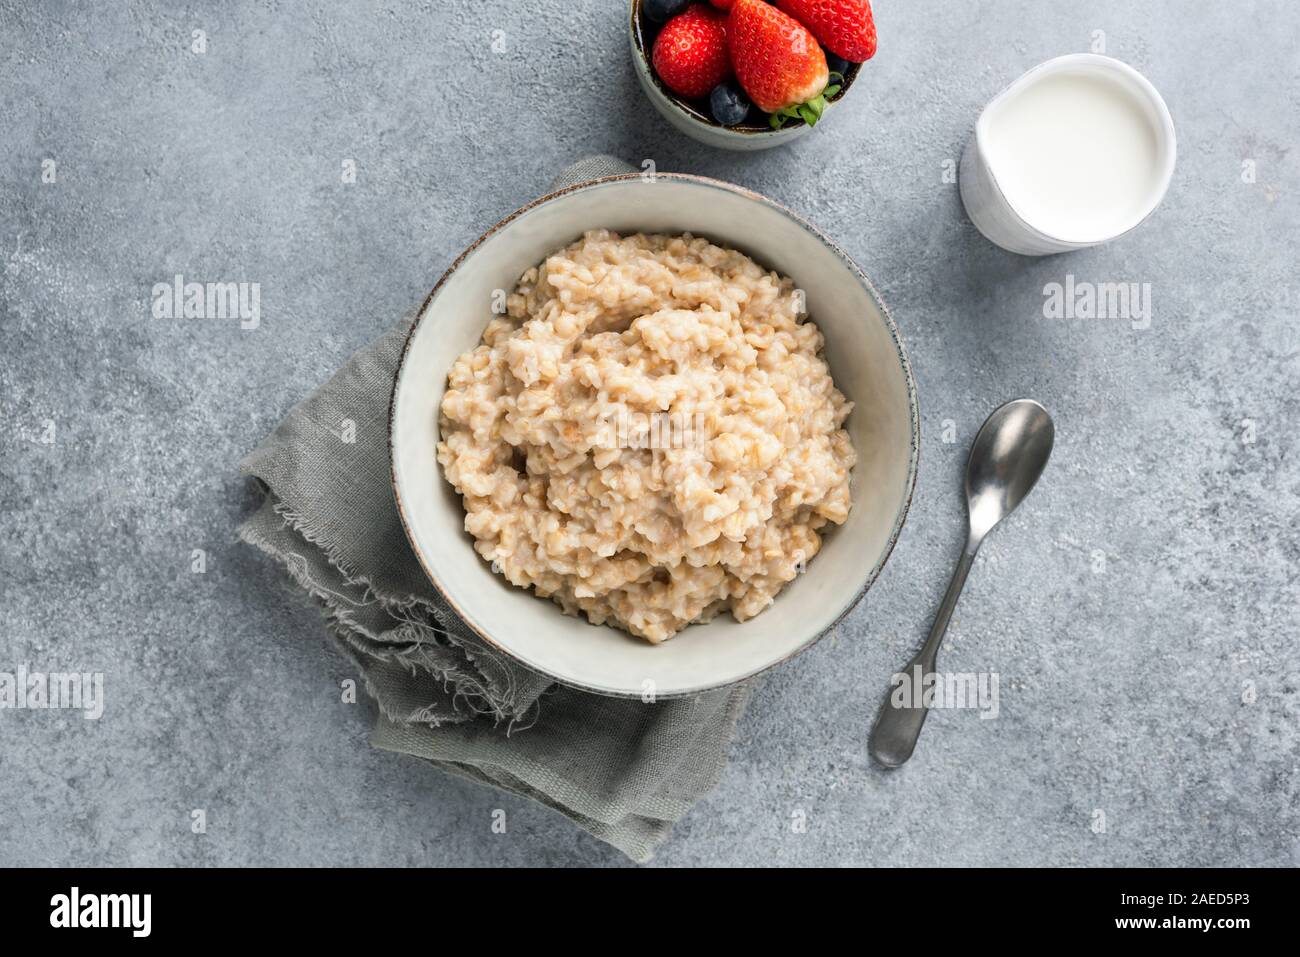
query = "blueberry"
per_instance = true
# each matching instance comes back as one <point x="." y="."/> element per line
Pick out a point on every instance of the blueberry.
<point x="729" y="104"/>
<point x="661" y="11"/>
<point x="837" y="64"/>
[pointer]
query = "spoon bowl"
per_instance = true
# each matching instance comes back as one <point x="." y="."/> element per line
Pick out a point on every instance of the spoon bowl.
<point x="1006" y="459"/>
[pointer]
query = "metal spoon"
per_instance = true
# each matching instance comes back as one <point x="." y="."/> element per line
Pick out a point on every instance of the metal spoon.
<point x="1009" y="454"/>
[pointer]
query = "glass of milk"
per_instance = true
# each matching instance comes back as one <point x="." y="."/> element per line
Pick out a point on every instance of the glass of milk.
<point x="1076" y="152"/>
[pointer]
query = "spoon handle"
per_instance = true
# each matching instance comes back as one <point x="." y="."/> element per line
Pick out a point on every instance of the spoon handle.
<point x="897" y="727"/>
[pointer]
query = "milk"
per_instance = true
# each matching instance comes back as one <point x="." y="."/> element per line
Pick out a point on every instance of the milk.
<point x="1077" y="151"/>
<point x="1075" y="154"/>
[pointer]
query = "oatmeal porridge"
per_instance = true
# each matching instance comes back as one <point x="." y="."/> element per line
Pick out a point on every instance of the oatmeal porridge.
<point x="649" y="434"/>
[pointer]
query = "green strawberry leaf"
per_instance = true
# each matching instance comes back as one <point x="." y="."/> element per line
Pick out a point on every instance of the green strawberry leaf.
<point x="809" y="112"/>
<point x="812" y="110"/>
<point x="787" y="113"/>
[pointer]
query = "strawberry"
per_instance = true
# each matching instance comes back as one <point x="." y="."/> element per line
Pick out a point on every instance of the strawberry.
<point x="778" y="62"/>
<point x="690" y="53"/>
<point x="845" y="27"/>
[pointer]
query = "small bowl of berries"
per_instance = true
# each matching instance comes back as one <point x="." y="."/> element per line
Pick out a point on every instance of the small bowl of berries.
<point x="749" y="74"/>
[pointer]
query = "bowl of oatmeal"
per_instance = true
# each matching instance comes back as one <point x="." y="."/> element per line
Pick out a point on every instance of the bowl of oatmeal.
<point x="653" y="434"/>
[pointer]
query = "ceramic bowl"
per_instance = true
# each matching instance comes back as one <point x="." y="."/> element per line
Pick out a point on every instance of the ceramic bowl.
<point x="867" y="360"/>
<point x="694" y="119"/>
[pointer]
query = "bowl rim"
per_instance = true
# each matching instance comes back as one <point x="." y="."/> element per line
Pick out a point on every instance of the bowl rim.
<point x="643" y="63"/>
<point x="913" y="414"/>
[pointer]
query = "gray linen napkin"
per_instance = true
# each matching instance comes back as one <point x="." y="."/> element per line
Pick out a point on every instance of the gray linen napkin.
<point x="624" y="770"/>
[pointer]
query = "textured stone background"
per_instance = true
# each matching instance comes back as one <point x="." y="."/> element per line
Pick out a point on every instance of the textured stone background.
<point x="1151" y="576"/>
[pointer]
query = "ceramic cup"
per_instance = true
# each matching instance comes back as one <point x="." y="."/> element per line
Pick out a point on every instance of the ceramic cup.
<point x="1015" y="229"/>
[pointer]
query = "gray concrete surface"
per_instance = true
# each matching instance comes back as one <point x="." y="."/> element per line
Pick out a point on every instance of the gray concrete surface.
<point x="1141" y="612"/>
